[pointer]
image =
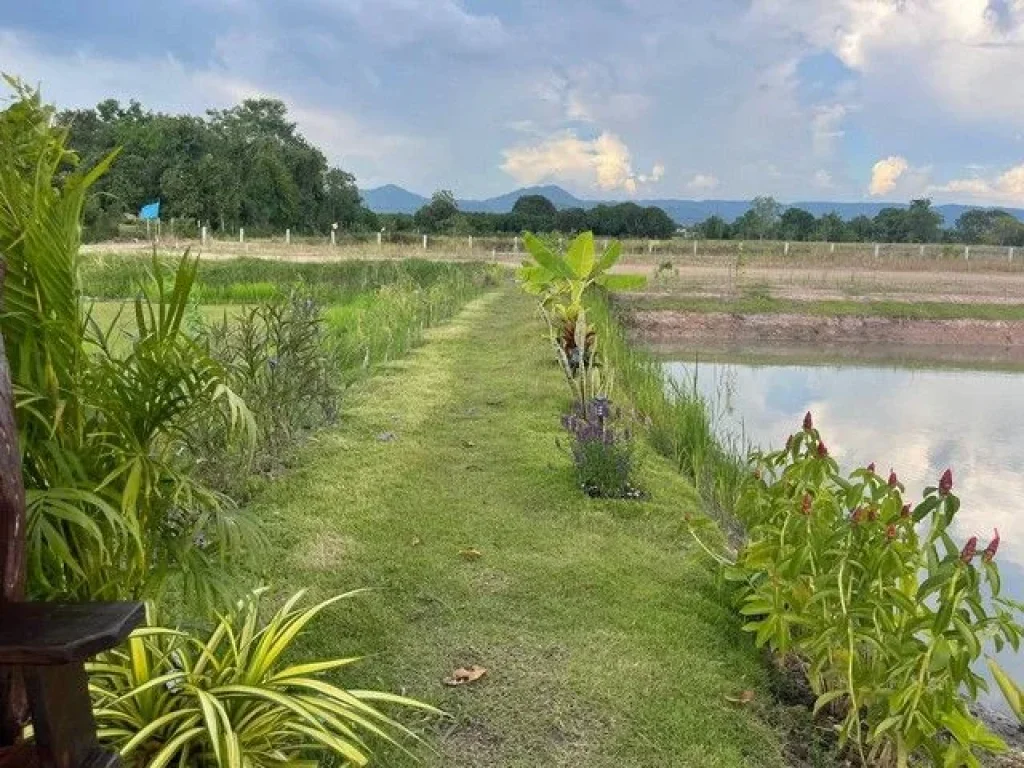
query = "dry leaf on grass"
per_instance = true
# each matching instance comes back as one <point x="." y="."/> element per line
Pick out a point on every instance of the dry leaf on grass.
<point x="416" y="541"/>
<point x="745" y="697"/>
<point x="464" y="675"/>
<point x="472" y="553"/>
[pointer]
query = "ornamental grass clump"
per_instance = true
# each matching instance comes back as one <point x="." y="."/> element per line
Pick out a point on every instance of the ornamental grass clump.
<point x="887" y="613"/>
<point x="603" y="451"/>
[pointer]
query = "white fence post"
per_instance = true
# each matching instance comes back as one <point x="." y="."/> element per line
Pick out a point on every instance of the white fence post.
<point x="424" y="242"/>
<point x="1009" y="256"/>
<point x="241" y="234"/>
<point x="380" y="238"/>
<point x="967" y="252"/>
<point x="832" y="248"/>
<point x="204" y="237"/>
<point x="694" y="249"/>
<point x="470" y="242"/>
<point x="785" y="250"/>
<point x="650" y="247"/>
<point x="922" y="250"/>
<point x="515" y="244"/>
<point x="287" y="237"/>
<point x="877" y="249"/>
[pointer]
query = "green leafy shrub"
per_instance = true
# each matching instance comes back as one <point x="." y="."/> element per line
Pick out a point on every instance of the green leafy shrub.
<point x="113" y="507"/>
<point x="278" y="358"/>
<point x="888" y="613"/>
<point x="230" y="700"/>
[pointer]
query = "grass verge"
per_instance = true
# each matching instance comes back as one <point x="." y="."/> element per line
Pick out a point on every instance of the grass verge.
<point x="606" y="638"/>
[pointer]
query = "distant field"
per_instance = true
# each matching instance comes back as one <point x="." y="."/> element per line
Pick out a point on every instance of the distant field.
<point x="677" y="252"/>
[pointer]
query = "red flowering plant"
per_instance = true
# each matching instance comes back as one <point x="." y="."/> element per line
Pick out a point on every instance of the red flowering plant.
<point x="888" y="613"/>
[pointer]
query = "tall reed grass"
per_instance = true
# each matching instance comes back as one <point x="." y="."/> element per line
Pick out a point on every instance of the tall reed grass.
<point x="680" y="421"/>
<point x="248" y="281"/>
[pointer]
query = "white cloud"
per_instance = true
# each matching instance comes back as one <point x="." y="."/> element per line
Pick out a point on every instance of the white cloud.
<point x="701" y="183"/>
<point x="962" y="55"/>
<point x="603" y="162"/>
<point x="1007" y="187"/>
<point x="823" y="179"/>
<point x="885" y="173"/>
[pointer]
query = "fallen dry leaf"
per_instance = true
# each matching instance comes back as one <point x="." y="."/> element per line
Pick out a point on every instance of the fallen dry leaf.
<point x="416" y="541"/>
<point x="464" y="675"/>
<point x="745" y="697"/>
<point x="472" y="553"/>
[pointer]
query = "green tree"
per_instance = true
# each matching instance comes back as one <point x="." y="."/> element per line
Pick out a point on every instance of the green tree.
<point x="924" y="224"/>
<point x="437" y="214"/>
<point x="862" y="228"/>
<point x="831" y="228"/>
<point x="714" y="227"/>
<point x="766" y="215"/>
<point x="534" y="213"/>
<point x="797" y="224"/>
<point x="571" y="220"/>
<point x="891" y="226"/>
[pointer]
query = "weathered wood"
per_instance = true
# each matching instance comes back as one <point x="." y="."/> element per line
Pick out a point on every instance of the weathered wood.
<point x="65" y="731"/>
<point x="12" y="538"/>
<point x="42" y="634"/>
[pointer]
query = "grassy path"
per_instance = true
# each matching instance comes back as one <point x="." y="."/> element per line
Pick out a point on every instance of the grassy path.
<point x="606" y="640"/>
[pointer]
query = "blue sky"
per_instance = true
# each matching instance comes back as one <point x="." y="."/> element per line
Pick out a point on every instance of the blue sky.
<point x="801" y="99"/>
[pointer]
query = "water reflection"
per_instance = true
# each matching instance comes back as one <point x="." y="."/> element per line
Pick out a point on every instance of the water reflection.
<point x="917" y="422"/>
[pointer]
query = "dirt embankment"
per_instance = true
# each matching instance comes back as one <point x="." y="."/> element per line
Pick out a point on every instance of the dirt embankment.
<point x="690" y="327"/>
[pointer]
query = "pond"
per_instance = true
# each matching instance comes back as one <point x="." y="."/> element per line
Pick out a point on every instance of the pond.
<point x="917" y="421"/>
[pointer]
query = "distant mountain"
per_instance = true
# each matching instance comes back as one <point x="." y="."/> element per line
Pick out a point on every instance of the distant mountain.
<point x="504" y="203"/>
<point x="394" y="199"/>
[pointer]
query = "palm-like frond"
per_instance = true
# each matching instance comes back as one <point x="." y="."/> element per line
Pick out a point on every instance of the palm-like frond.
<point x="229" y="699"/>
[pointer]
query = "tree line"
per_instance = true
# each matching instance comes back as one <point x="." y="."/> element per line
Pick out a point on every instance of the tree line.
<point x="918" y="223"/>
<point x="245" y="166"/>
<point x="533" y="213"/>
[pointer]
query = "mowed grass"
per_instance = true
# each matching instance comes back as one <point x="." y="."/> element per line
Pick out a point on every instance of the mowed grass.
<point x="897" y="310"/>
<point x="606" y="639"/>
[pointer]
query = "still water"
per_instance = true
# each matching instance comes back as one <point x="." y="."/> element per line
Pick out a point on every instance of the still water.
<point x="915" y="421"/>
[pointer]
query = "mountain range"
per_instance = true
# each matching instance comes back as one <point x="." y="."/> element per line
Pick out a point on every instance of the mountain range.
<point x="394" y="199"/>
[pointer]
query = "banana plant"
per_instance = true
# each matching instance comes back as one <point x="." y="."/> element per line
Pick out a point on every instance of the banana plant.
<point x="561" y="282"/>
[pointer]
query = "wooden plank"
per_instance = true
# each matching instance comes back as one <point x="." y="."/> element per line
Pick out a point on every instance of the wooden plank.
<point x="40" y="634"/>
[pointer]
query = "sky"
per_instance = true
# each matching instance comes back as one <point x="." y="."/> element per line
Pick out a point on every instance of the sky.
<point x="727" y="99"/>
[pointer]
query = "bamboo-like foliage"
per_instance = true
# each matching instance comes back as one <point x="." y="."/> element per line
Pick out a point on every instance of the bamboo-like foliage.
<point x="229" y="700"/>
<point x="112" y="507"/>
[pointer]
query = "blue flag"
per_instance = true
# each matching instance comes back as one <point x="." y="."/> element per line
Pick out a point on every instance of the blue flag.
<point x="150" y="211"/>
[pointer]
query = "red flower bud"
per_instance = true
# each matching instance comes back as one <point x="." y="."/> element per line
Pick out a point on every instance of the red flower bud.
<point x="893" y="480"/>
<point x="872" y="514"/>
<point x="890" y="532"/>
<point x="905" y="512"/>
<point x="808" y="421"/>
<point x="757" y="474"/>
<point x="970" y="549"/>
<point x="871" y="467"/>
<point x="857" y="515"/>
<point x="946" y="483"/>
<point x="991" y="549"/>
<point x="822" y="450"/>
<point x="805" y="505"/>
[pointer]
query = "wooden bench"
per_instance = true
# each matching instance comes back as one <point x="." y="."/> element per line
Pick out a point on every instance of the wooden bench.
<point x="48" y="645"/>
